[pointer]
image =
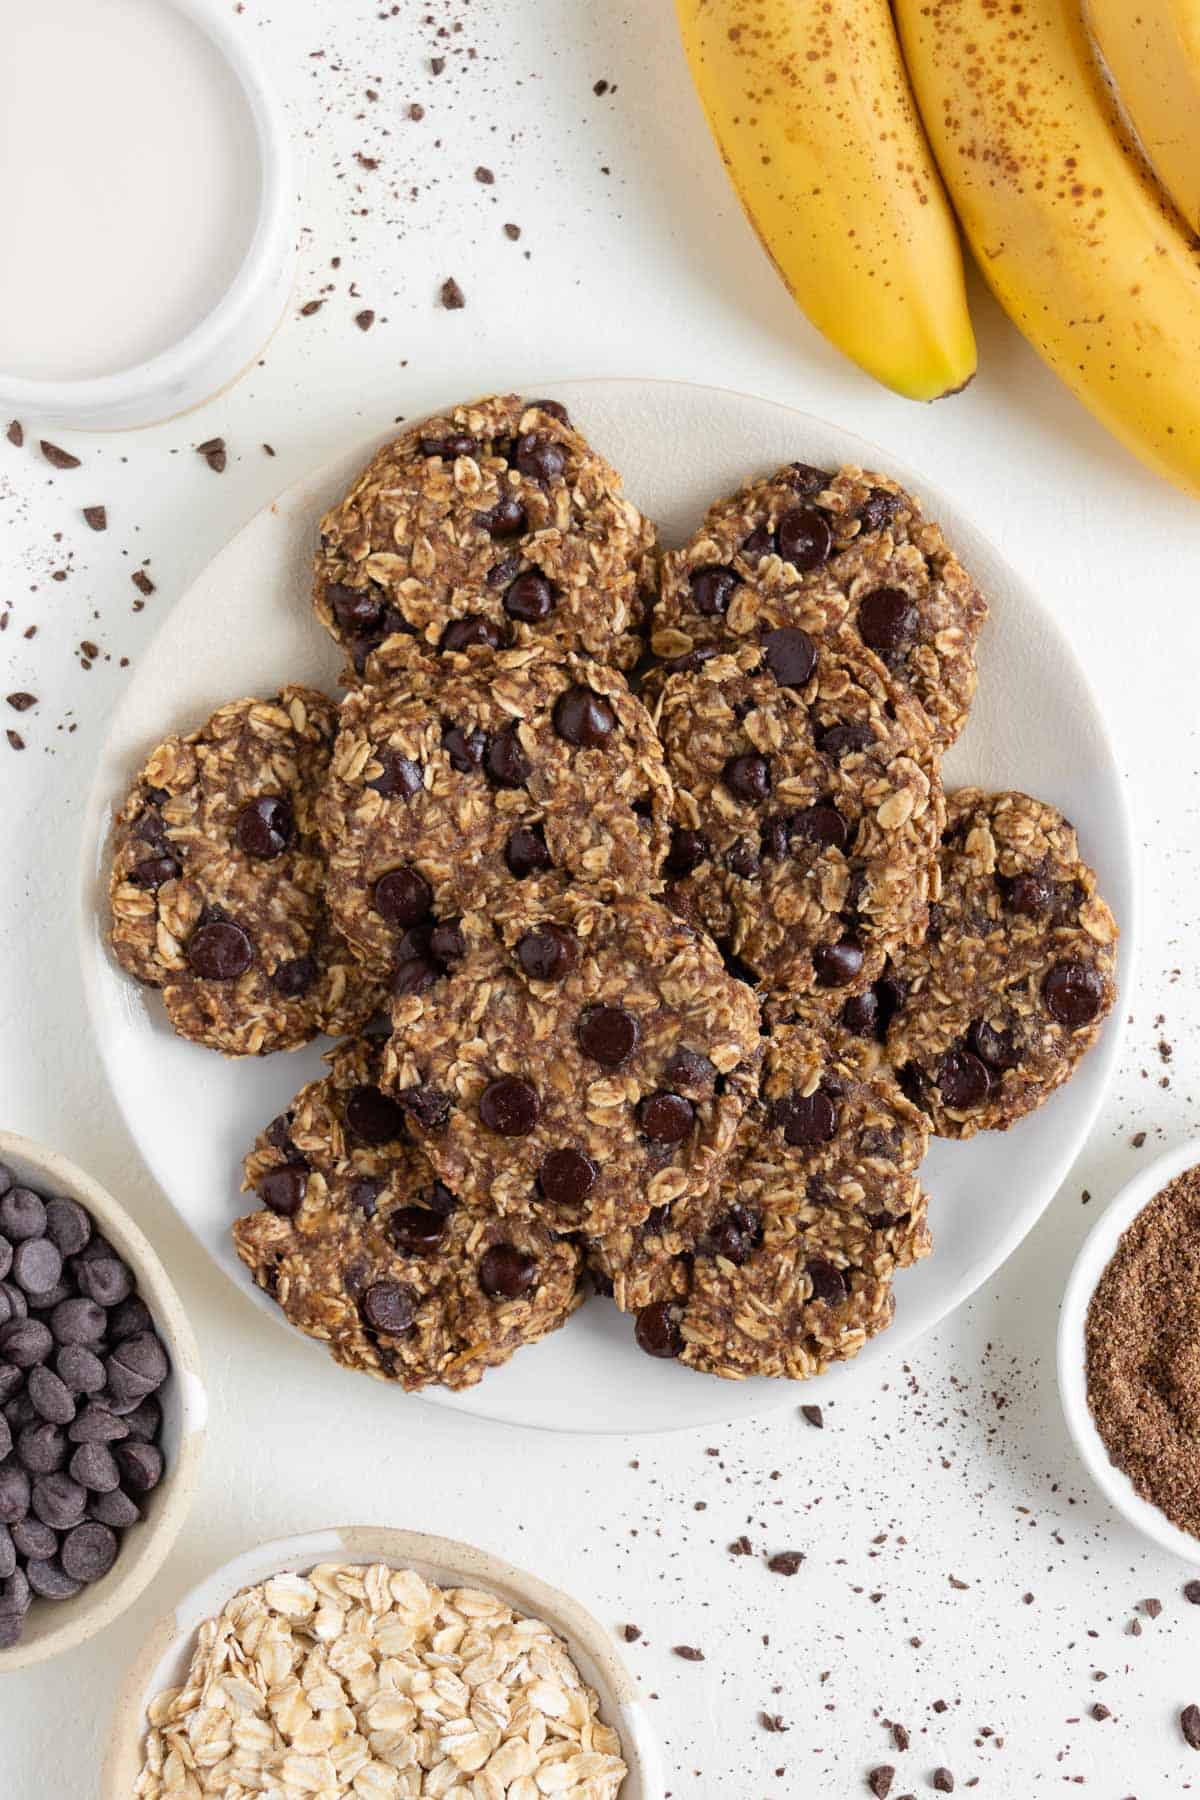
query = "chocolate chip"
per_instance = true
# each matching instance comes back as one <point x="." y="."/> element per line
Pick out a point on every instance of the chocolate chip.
<point x="355" y="609"/>
<point x="58" y="1501"/>
<point x="14" y="1595"/>
<point x="78" y="1321"/>
<point x="657" y="1330"/>
<point x="993" y="1047"/>
<point x="836" y="964"/>
<point x="840" y="741"/>
<point x="145" y="1421"/>
<point x="539" y="458"/>
<point x="372" y="1116"/>
<point x="712" y="589"/>
<point x="446" y="941"/>
<point x="1073" y="992"/>
<point x="879" y="509"/>
<point x="428" y="1106"/>
<point x="416" y="1230"/>
<point x="88" y="1552"/>
<point x="141" y="1466"/>
<point x="805" y="537"/>
<point x="963" y="1080"/>
<point x="142" y="1364"/>
<point x="735" y="1235"/>
<point x="460" y="634"/>
<point x="525" y="852"/>
<point x="506" y="762"/>
<point x="51" y="1396"/>
<point x="748" y="777"/>
<point x="94" y="1467"/>
<point x="22" y="1215"/>
<point x="28" y="1538"/>
<point x="36" y="1267"/>
<point x="466" y="749"/>
<point x="398" y="775"/>
<point x="582" y="718"/>
<point x="220" y="951"/>
<point x="14" y="1493"/>
<point x="566" y="1177"/>
<point x="294" y="978"/>
<point x="880" y="1781"/>
<point x="666" y="1118"/>
<point x="264" y="827"/>
<point x="95" y="1424"/>
<point x="689" y="1070"/>
<point x="506" y="519"/>
<point x="13" y="1304"/>
<point x="691" y="661"/>
<point x="806" y="479"/>
<point x="79" y="1370"/>
<point x="608" y="1034"/>
<point x="805" y="1119"/>
<point x="104" y="1279"/>
<point x="943" y="1781"/>
<point x="821" y="824"/>
<point x="451" y="446"/>
<point x="760" y="543"/>
<point x="25" y="1342"/>
<point x="510" y="1106"/>
<point x="115" y="1509"/>
<point x="154" y="873"/>
<point x="531" y="598"/>
<point x="688" y="850"/>
<point x="402" y="897"/>
<point x="742" y="859"/>
<point x="505" y="1273"/>
<point x="67" y="1225"/>
<point x="828" y="1284"/>
<point x="887" y="620"/>
<point x="790" y="654"/>
<point x="548" y="953"/>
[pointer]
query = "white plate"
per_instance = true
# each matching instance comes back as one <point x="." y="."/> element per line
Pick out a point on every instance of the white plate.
<point x="246" y="626"/>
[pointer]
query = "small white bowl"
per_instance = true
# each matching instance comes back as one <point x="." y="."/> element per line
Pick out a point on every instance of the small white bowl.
<point x="1094" y="1257"/>
<point x="52" y="1626"/>
<point x="168" y="1649"/>
<point x="211" y="356"/>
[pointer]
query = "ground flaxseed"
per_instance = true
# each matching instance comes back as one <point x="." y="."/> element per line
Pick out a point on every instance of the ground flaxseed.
<point x="1143" y="1352"/>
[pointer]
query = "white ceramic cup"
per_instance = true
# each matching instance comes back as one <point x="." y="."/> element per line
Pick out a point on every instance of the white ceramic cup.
<point x="52" y="1626"/>
<point x="167" y="1651"/>
<point x="1094" y="1257"/>
<point x="210" y="356"/>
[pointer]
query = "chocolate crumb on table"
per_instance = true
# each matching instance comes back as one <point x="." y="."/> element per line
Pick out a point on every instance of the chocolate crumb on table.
<point x="879" y="1781"/>
<point x="213" y="452"/>
<point x="1189" y="1724"/>
<point x="96" y="517"/>
<point x="57" y="458"/>
<point x="1142" y="1358"/>
<point x="452" y="296"/>
<point x="15" y="433"/>
<point x="814" y="1416"/>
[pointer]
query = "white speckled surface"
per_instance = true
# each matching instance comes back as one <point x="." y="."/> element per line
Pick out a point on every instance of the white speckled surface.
<point x="646" y="270"/>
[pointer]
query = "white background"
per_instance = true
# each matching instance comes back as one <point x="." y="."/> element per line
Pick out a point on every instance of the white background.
<point x="633" y="260"/>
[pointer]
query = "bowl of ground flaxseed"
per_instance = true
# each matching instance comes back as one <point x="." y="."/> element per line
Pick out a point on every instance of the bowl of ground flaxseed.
<point x="1129" y="1352"/>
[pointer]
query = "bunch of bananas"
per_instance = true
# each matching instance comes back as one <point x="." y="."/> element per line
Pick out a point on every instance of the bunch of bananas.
<point x="1068" y="142"/>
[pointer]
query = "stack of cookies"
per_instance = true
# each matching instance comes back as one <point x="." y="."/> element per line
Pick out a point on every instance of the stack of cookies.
<point x="629" y="885"/>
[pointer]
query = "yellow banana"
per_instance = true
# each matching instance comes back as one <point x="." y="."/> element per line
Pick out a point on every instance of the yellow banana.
<point x="812" y="112"/>
<point x="1079" y="244"/>
<point x="1152" y="48"/>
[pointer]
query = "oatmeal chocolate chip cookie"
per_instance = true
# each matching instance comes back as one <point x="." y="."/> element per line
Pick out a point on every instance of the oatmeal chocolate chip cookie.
<point x="217" y="884"/>
<point x="457" y="779"/>
<point x="363" y="1247"/>
<point x="846" y="555"/>
<point x="495" y="525"/>
<point x="1017" y="972"/>
<point x="584" y="1061"/>
<point x="807" y="809"/>
<point x="823" y="1178"/>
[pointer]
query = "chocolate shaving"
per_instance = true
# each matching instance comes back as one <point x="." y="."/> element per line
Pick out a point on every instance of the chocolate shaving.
<point x="58" y="459"/>
<point x="772" y="1721"/>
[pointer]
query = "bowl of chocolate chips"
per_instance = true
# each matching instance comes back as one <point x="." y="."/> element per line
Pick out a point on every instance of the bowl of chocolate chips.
<point x="102" y="1407"/>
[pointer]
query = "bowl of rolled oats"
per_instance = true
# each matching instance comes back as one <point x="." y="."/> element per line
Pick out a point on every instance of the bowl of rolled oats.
<point x="379" y="1664"/>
